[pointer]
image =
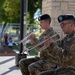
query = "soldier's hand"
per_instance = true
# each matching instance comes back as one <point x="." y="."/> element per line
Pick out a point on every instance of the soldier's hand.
<point x="32" y="36"/>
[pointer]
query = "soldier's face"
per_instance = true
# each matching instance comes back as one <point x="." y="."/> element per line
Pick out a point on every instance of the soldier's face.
<point x="66" y="26"/>
<point x="43" y="24"/>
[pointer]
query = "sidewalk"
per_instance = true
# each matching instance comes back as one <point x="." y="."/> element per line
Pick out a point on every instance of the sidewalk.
<point x="8" y="67"/>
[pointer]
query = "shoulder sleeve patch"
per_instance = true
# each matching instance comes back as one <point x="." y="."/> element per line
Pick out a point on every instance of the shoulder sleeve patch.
<point x="72" y="47"/>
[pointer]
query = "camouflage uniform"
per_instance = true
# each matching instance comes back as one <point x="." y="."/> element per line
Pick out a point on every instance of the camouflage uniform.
<point x="66" y="51"/>
<point x="46" y="61"/>
<point x="39" y="63"/>
<point x="68" y="71"/>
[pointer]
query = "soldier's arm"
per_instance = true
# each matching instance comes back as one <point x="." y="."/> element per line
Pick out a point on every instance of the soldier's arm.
<point x="67" y="55"/>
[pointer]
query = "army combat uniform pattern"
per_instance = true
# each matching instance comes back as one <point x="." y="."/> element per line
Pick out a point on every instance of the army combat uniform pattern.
<point x="44" y="63"/>
<point x="38" y="63"/>
<point x="66" y="51"/>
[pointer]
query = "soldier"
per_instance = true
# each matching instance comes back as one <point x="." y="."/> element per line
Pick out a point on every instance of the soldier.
<point x="30" y="64"/>
<point x="66" y="48"/>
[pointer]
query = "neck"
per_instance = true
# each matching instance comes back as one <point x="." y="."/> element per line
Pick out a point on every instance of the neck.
<point x="47" y="28"/>
<point x="70" y="32"/>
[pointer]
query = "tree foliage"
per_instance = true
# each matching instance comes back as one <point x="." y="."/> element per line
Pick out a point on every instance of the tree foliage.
<point x="32" y="7"/>
<point x="10" y="10"/>
<point x="2" y="11"/>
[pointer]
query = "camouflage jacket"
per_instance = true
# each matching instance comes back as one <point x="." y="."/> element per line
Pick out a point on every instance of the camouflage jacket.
<point x="66" y="50"/>
<point x="44" y="54"/>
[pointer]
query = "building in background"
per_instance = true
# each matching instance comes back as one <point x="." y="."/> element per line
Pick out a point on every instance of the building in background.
<point x="57" y="7"/>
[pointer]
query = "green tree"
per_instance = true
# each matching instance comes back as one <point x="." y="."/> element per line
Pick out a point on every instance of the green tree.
<point x="2" y="11"/>
<point x="33" y="5"/>
<point x="10" y="10"/>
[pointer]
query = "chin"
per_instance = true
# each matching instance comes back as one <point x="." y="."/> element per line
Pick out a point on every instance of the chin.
<point x="65" y="33"/>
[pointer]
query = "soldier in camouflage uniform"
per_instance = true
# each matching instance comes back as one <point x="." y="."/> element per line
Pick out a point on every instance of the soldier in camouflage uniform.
<point x="43" y="63"/>
<point x="66" y="48"/>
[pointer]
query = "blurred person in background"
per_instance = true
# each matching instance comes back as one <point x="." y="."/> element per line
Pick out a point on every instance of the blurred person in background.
<point x="6" y="39"/>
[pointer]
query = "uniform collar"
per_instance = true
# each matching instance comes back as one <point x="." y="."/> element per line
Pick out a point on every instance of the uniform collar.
<point x="72" y="34"/>
<point x="49" y="30"/>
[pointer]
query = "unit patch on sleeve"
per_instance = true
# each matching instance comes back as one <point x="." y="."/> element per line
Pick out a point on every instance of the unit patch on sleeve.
<point x="72" y="47"/>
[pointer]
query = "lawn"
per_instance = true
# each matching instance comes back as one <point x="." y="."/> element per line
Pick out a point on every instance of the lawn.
<point x="33" y="52"/>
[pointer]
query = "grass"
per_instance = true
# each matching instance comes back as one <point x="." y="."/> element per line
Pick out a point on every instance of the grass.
<point x="33" y="52"/>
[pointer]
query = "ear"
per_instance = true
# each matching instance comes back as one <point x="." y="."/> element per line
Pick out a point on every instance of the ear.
<point x="72" y="24"/>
